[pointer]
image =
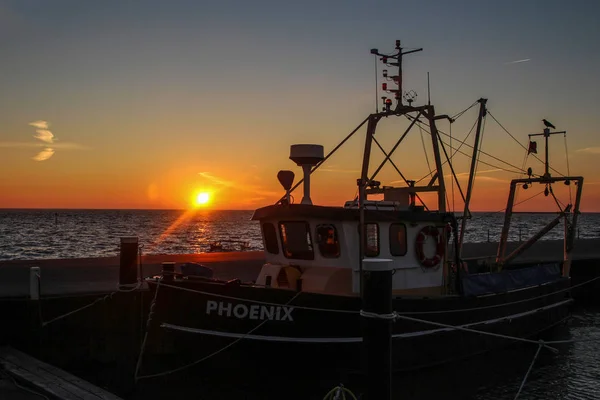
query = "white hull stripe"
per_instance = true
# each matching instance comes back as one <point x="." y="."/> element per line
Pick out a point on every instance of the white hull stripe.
<point x="352" y="339"/>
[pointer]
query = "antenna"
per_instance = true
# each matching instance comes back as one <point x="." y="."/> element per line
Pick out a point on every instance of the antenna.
<point x="546" y="134"/>
<point x="306" y="156"/>
<point x="376" y="85"/>
<point x="428" y="90"/>
<point x="397" y="79"/>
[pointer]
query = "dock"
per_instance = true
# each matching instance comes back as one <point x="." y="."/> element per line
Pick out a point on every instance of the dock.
<point x="101" y="275"/>
<point x="36" y="379"/>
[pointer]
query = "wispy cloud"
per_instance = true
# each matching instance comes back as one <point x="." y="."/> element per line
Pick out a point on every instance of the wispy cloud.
<point x="44" y="135"/>
<point x="485" y="171"/>
<point x="44" y="154"/>
<point x="257" y="190"/>
<point x="518" y="61"/>
<point x="24" y="145"/>
<point x="591" y="150"/>
<point x="40" y="124"/>
<point x="46" y="140"/>
<point x="339" y="170"/>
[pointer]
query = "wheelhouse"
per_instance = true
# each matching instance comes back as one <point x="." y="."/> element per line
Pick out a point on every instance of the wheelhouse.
<point x="316" y="248"/>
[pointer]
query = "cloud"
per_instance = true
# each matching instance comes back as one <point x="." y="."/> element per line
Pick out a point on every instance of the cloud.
<point x="44" y="135"/>
<point x="518" y="61"/>
<point x="44" y="154"/>
<point x="485" y="171"/>
<point x="340" y="170"/>
<point x="236" y="185"/>
<point x="40" y="124"/>
<point x="63" y="146"/>
<point x="591" y="150"/>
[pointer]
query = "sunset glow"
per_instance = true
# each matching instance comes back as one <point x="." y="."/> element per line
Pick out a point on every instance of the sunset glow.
<point x="141" y="126"/>
<point x="202" y="199"/>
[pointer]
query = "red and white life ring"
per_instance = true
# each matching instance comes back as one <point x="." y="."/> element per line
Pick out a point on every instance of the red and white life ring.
<point x="432" y="232"/>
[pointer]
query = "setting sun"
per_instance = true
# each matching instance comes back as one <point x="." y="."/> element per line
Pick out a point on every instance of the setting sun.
<point x="202" y="198"/>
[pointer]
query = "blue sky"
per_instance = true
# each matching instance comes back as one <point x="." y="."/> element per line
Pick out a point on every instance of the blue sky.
<point x="141" y="80"/>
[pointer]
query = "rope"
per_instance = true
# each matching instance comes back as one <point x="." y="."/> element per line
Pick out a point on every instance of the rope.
<point x="368" y="314"/>
<point x="464" y="329"/>
<point x="425" y="149"/>
<point x="339" y="393"/>
<point x="256" y="301"/>
<point x="530" y="367"/>
<point x="98" y="300"/>
<point x="455" y="150"/>
<point x="398" y="313"/>
<point x="208" y="356"/>
<point x="458" y="115"/>
<point x="138" y="365"/>
<point x="521" y="202"/>
<point x="520" y="144"/>
<point x="515" y="170"/>
<point x="452" y="180"/>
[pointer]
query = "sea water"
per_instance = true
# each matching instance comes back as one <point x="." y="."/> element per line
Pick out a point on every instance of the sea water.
<point x="573" y="373"/>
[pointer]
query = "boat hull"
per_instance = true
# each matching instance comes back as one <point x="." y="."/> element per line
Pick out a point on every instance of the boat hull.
<point x="262" y="329"/>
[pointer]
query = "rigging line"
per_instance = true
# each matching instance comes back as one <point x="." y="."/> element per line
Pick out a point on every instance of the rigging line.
<point x="452" y="172"/>
<point x="458" y="115"/>
<point x="425" y="149"/>
<point x="398" y="170"/>
<point x="568" y="169"/>
<point x="486" y="163"/>
<point x="491" y="156"/>
<point x="482" y="152"/>
<point x="453" y="154"/>
<point x="514" y="171"/>
<point x="453" y="203"/>
<point x="560" y="205"/>
<point x="520" y="144"/>
<point x="521" y="202"/>
<point x="478" y="158"/>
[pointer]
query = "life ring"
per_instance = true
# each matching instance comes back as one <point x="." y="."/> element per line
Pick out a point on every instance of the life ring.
<point x="433" y="232"/>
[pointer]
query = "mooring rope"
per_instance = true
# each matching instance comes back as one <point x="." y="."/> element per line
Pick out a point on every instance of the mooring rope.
<point x="537" y="353"/>
<point x="339" y="393"/>
<point x="399" y="312"/>
<point x="138" y="364"/>
<point x="168" y="372"/>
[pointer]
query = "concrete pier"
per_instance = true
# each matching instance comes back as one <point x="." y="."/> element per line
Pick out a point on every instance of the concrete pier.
<point x="100" y="275"/>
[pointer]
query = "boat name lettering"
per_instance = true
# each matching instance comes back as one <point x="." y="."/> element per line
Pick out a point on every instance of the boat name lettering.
<point x="255" y="311"/>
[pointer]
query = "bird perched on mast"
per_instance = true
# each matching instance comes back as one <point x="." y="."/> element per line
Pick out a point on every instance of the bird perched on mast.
<point x="548" y="124"/>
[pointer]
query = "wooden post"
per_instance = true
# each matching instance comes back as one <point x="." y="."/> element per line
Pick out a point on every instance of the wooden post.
<point x="377" y="327"/>
<point x="128" y="271"/>
<point x="168" y="271"/>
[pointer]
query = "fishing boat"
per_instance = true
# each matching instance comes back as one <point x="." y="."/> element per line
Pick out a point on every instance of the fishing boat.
<point x="304" y="307"/>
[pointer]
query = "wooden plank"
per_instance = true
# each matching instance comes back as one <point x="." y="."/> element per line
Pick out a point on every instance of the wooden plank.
<point x="50" y="379"/>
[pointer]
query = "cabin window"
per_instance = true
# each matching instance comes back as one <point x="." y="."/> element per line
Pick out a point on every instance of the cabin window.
<point x="328" y="242"/>
<point x="371" y="239"/>
<point x="270" y="236"/>
<point x="296" y="241"/>
<point x="398" y="239"/>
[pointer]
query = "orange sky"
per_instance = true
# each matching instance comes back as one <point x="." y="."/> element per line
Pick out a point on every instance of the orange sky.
<point x="127" y="174"/>
<point x="142" y="106"/>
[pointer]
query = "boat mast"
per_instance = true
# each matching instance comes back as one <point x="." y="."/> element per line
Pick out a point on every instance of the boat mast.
<point x="548" y="180"/>
<point x="467" y="212"/>
<point x="367" y="185"/>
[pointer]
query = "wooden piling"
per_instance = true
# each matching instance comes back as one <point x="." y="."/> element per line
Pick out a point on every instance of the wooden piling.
<point x="377" y="327"/>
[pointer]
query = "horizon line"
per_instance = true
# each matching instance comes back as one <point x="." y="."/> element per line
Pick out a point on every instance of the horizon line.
<point x="253" y="209"/>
